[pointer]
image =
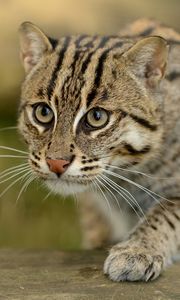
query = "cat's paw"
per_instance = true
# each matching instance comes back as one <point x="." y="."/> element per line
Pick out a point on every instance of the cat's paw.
<point x="132" y="265"/>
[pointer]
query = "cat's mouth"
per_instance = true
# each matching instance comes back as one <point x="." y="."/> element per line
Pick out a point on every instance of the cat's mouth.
<point x="72" y="179"/>
<point x="68" y="186"/>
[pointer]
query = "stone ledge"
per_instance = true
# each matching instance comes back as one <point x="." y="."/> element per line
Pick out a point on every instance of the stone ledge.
<point x="54" y="275"/>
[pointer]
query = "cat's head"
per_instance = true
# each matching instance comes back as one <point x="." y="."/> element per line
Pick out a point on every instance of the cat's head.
<point x="89" y="102"/>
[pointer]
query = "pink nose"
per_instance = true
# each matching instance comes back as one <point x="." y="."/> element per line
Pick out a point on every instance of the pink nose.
<point x="57" y="166"/>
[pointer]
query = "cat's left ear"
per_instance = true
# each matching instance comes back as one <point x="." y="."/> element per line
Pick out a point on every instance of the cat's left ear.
<point x="33" y="45"/>
<point x="148" y="59"/>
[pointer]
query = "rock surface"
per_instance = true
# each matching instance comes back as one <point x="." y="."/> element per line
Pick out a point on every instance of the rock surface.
<point x="54" y="275"/>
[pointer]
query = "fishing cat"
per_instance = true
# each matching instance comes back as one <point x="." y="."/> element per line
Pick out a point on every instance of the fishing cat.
<point x="100" y="115"/>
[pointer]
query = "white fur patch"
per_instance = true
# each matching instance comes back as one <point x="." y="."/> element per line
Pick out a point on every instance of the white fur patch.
<point x="135" y="138"/>
<point x="79" y="115"/>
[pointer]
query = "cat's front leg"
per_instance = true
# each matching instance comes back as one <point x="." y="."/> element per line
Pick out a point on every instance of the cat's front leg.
<point x="149" y="249"/>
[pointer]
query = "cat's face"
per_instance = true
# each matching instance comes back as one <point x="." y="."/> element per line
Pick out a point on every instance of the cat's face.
<point x="87" y="103"/>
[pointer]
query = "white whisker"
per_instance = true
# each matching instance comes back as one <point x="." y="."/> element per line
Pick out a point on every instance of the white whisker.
<point x="30" y="178"/>
<point x="137" y="172"/>
<point x="16" y="174"/>
<point x="118" y="204"/>
<point x="13" y="149"/>
<point x="12" y="156"/>
<point x="75" y="199"/>
<point x="125" y="197"/>
<point x="13" y="183"/>
<point x="146" y="190"/>
<point x="46" y="197"/>
<point x="17" y="169"/>
<point x="8" y="128"/>
<point x="107" y="202"/>
<point x="3" y="173"/>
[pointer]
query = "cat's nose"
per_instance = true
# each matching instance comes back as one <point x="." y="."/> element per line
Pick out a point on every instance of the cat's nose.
<point x="58" y="166"/>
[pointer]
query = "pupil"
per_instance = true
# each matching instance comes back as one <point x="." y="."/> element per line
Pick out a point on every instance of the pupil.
<point x="45" y="111"/>
<point x="97" y="115"/>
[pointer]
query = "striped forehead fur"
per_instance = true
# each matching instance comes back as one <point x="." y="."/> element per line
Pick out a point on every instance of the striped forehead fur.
<point x="99" y="50"/>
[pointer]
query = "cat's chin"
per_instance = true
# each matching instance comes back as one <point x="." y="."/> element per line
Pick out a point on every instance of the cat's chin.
<point x="65" y="188"/>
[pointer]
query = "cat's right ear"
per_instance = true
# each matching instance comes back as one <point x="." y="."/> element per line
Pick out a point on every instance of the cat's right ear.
<point x="33" y="45"/>
<point x="147" y="59"/>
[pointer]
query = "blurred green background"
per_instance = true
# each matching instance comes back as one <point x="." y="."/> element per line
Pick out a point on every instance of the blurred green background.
<point x="53" y="222"/>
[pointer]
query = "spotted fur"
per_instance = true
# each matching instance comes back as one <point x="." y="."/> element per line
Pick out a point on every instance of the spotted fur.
<point x="136" y="80"/>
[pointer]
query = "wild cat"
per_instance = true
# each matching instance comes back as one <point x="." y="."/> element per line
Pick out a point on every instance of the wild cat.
<point x="100" y="116"/>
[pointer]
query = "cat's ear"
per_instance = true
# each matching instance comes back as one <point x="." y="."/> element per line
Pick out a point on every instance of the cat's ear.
<point x="33" y="45"/>
<point x="148" y="59"/>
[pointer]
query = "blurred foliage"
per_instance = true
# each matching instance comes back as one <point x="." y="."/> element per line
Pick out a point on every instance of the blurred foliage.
<point x="53" y="222"/>
<point x="57" y="17"/>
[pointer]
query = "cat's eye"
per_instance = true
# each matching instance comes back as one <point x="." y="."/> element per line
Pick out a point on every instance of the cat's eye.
<point x="43" y="113"/>
<point x="97" y="118"/>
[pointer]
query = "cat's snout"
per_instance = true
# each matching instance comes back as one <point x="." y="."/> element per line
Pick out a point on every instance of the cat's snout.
<point x="58" y="166"/>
